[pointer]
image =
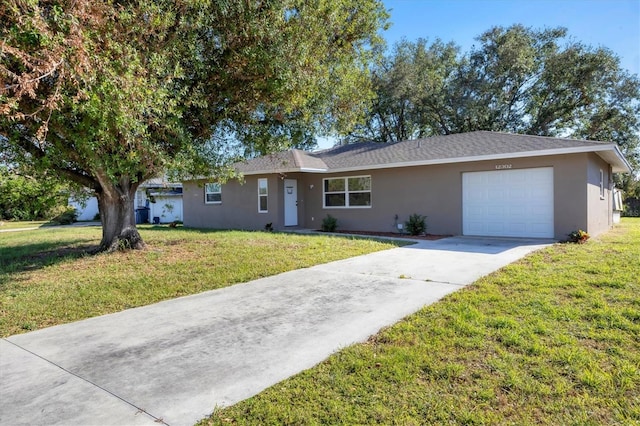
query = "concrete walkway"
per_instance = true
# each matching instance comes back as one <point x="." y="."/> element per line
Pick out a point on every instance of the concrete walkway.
<point x="175" y="361"/>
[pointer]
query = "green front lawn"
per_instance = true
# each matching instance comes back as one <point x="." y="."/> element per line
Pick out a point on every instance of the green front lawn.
<point x="46" y="278"/>
<point x="22" y="224"/>
<point x="552" y="339"/>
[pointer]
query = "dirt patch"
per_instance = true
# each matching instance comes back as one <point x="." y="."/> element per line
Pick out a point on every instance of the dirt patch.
<point x="393" y="235"/>
<point x="44" y="258"/>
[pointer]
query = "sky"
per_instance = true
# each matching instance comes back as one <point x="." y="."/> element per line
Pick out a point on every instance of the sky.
<point x="614" y="24"/>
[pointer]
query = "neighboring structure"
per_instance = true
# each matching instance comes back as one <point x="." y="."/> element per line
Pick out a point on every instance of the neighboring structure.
<point x="479" y="183"/>
<point x="157" y="200"/>
<point x="86" y="209"/>
<point x="162" y="198"/>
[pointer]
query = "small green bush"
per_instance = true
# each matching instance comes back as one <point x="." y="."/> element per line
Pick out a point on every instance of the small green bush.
<point x="416" y="225"/>
<point x="67" y="217"/>
<point x="329" y="224"/>
<point x="578" y="237"/>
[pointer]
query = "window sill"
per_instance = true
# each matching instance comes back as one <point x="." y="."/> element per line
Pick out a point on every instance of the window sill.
<point x="345" y="207"/>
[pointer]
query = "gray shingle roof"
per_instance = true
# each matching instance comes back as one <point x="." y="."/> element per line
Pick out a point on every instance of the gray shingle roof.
<point x="285" y="161"/>
<point x="434" y="150"/>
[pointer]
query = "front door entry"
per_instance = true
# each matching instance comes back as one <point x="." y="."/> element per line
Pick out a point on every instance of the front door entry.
<point x="290" y="202"/>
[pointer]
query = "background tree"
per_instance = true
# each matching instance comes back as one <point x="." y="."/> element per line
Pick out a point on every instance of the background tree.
<point x="412" y="86"/>
<point x="26" y="197"/>
<point x="108" y="94"/>
<point x="516" y="80"/>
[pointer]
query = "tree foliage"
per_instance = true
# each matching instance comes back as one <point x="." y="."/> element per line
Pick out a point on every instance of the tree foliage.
<point x="25" y="197"/>
<point x="108" y="94"/>
<point x="516" y="80"/>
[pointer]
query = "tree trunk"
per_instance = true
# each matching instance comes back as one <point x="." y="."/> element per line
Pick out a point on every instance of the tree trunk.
<point x="119" y="230"/>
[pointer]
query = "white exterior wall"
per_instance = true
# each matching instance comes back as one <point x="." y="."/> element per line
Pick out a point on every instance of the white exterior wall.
<point x="168" y="209"/>
<point x="86" y="210"/>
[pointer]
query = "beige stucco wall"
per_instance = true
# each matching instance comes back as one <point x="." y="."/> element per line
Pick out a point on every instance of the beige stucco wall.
<point x="239" y="207"/>
<point x="434" y="191"/>
<point x="600" y="212"/>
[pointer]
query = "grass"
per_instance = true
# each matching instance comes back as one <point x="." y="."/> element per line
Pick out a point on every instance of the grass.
<point x="23" y="224"/>
<point x="46" y="278"/>
<point x="551" y="339"/>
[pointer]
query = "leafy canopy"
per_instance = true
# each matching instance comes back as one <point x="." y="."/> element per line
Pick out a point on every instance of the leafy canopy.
<point x="517" y="79"/>
<point x="108" y="94"/>
<point x="24" y="197"/>
<point x="103" y="92"/>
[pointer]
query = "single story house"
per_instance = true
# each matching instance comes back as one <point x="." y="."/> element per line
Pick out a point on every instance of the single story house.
<point x="479" y="183"/>
<point x="157" y="201"/>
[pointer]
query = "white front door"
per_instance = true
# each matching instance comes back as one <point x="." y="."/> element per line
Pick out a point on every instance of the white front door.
<point x="508" y="203"/>
<point x="290" y="202"/>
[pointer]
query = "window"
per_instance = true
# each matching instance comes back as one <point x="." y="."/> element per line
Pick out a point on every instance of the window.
<point x="263" y="192"/>
<point x="141" y="198"/>
<point x="601" y="184"/>
<point x="354" y="192"/>
<point x="212" y="193"/>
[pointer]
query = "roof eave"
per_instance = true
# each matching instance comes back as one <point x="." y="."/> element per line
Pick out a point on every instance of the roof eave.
<point x="619" y="163"/>
<point x="615" y="158"/>
<point x="608" y="152"/>
<point x="276" y="171"/>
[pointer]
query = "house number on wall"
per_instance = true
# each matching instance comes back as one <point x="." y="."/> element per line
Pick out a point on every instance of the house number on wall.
<point x="503" y="166"/>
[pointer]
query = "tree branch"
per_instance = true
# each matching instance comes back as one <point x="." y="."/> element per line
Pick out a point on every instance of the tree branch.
<point x="25" y="142"/>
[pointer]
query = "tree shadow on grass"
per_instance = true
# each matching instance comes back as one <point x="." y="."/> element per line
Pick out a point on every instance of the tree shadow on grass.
<point x="29" y="257"/>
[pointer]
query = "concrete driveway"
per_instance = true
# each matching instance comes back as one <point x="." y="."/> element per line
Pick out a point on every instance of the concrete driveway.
<point x="175" y="361"/>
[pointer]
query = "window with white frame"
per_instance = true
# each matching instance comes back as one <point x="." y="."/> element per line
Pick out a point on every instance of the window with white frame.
<point x="347" y="192"/>
<point x="601" y="184"/>
<point x="263" y="193"/>
<point x="212" y="193"/>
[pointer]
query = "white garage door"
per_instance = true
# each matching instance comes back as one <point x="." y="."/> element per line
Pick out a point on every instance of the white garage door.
<point x="508" y="203"/>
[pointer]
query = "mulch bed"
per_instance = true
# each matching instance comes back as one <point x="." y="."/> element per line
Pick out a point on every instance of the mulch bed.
<point x="393" y="235"/>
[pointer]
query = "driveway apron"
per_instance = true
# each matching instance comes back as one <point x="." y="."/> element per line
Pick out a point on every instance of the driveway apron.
<point x="176" y="361"/>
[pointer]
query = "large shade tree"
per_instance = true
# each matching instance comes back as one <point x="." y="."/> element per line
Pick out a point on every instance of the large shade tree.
<point x="516" y="79"/>
<point x="107" y="94"/>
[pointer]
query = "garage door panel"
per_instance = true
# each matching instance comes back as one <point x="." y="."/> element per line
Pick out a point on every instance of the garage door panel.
<point x="539" y="194"/>
<point x="517" y="211"/>
<point x="510" y="203"/>
<point x="495" y="211"/>
<point x="517" y="228"/>
<point x="475" y="228"/>
<point x="495" y="195"/>
<point x="541" y="211"/>
<point x="539" y="227"/>
<point x="476" y="180"/>
<point x="495" y="227"/>
<point x="475" y="196"/>
<point x="493" y="180"/>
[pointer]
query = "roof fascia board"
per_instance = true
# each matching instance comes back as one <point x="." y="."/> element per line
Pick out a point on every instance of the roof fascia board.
<point x="623" y="160"/>
<point x="275" y="171"/>
<point x="311" y="170"/>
